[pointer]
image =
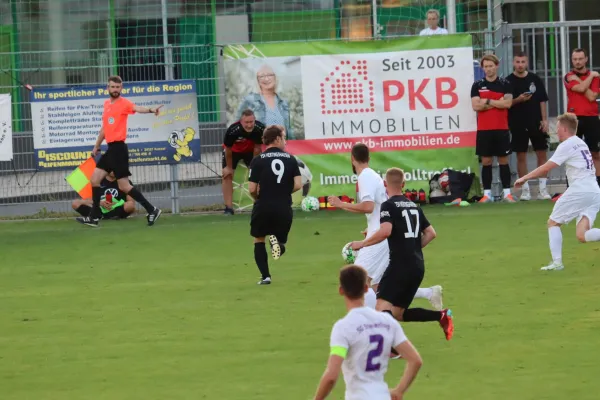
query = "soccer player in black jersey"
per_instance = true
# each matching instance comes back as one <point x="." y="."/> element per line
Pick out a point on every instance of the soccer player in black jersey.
<point x="407" y="231"/>
<point x="274" y="176"/>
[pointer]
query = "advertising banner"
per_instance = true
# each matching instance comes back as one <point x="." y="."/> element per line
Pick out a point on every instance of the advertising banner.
<point x="6" y="144"/>
<point x="66" y="123"/>
<point x="407" y="99"/>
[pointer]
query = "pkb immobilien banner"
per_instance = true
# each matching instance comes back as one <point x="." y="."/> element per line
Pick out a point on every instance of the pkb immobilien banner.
<point x="407" y="99"/>
<point x="66" y="123"/>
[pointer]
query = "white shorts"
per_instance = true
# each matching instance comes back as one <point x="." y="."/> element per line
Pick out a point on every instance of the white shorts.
<point x="576" y="205"/>
<point x="375" y="260"/>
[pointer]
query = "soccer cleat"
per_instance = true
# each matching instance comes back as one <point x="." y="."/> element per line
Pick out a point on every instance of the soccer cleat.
<point x="228" y="211"/>
<point x="275" y="247"/>
<point x="509" y="199"/>
<point x="525" y="195"/>
<point x="153" y="216"/>
<point x="265" y="281"/>
<point x="554" y="266"/>
<point x="544" y="195"/>
<point x="89" y="221"/>
<point x="447" y="324"/>
<point x="486" y="199"/>
<point x="436" y="297"/>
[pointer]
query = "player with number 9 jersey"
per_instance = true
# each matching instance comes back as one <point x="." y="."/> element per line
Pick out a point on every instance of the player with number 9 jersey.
<point x="274" y="176"/>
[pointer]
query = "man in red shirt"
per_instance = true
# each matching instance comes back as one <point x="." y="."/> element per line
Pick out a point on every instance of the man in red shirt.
<point x="491" y="97"/>
<point x="242" y="141"/>
<point x="583" y="87"/>
<point x="117" y="110"/>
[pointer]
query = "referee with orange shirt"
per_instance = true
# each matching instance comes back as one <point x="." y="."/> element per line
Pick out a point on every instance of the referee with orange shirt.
<point x="583" y="88"/>
<point x="116" y="159"/>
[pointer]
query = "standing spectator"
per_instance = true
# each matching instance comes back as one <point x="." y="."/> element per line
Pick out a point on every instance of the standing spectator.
<point x="492" y="97"/>
<point x="243" y="141"/>
<point x="528" y="120"/>
<point x="433" y="21"/>
<point x="582" y="87"/>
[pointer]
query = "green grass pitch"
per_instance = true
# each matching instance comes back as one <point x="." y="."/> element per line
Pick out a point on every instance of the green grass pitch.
<point x="174" y="312"/>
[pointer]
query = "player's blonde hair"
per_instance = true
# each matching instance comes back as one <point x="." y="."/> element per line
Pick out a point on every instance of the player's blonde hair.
<point x="569" y="121"/>
<point x="394" y="177"/>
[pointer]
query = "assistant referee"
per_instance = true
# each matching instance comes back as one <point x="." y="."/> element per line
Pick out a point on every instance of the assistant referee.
<point x="117" y="110"/>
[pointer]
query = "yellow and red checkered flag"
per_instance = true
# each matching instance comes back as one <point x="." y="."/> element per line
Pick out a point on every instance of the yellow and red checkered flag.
<point x="80" y="178"/>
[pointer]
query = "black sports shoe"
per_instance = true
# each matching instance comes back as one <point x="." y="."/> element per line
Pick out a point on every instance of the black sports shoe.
<point x="153" y="216"/>
<point x="275" y="247"/>
<point x="266" y="281"/>
<point x="228" y="211"/>
<point x="89" y="221"/>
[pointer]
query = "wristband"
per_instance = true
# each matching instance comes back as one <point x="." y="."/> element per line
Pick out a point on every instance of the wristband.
<point x="487" y="102"/>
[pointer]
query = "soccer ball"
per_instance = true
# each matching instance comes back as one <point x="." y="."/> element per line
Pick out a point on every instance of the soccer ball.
<point x="306" y="177"/>
<point x="310" y="204"/>
<point x="348" y="254"/>
<point x="444" y="180"/>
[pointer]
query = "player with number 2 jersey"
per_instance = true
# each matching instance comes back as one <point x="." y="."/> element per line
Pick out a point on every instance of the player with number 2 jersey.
<point x="274" y="176"/>
<point x="360" y="343"/>
<point x="581" y="200"/>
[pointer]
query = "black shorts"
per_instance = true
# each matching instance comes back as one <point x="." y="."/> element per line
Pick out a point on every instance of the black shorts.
<point x="494" y="143"/>
<point x="271" y="220"/>
<point x="117" y="213"/>
<point x="399" y="284"/>
<point x="116" y="159"/>
<point x="588" y="129"/>
<point x="236" y="157"/>
<point x="521" y="136"/>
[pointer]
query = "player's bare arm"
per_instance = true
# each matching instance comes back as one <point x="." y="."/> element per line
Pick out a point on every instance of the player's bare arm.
<point x="582" y="86"/>
<point x="147" y="110"/>
<point x="297" y="183"/>
<point x="99" y="141"/>
<point x="253" y="190"/>
<point x="330" y="377"/>
<point x="385" y="230"/>
<point x="479" y="104"/>
<point x="427" y="236"/>
<point x="364" y="207"/>
<point x="522" y="98"/>
<point x="503" y="104"/>
<point x="413" y="365"/>
<point x="591" y="95"/>
<point x="257" y="149"/>
<point x="544" y="121"/>
<point x="536" y="173"/>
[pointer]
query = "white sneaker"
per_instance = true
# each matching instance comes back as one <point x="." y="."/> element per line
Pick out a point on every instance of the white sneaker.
<point x="554" y="266"/>
<point x="544" y="195"/>
<point x="525" y="195"/>
<point x="436" y="297"/>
